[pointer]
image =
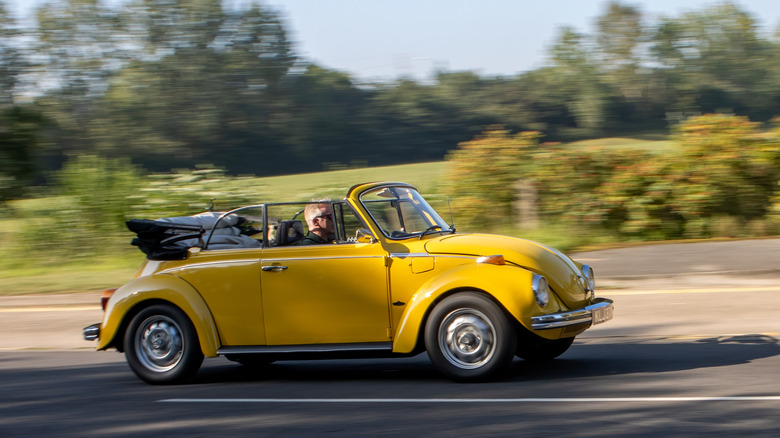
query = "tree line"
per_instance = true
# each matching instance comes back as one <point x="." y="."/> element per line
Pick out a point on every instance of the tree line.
<point x="176" y="83"/>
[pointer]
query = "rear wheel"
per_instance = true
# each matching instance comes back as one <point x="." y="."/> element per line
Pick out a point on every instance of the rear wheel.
<point x="161" y="345"/>
<point x="468" y="337"/>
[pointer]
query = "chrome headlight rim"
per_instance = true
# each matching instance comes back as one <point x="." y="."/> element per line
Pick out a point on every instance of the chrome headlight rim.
<point x="541" y="289"/>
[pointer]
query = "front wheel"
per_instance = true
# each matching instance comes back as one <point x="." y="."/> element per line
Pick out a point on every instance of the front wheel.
<point x="161" y="345"/>
<point x="468" y="337"/>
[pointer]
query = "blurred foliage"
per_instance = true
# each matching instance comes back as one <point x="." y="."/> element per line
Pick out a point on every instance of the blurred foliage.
<point x="482" y="173"/>
<point x="721" y="182"/>
<point x="18" y="150"/>
<point x="175" y="83"/>
<point x="100" y="100"/>
<point x="186" y="192"/>
<point x="96" y="196"/>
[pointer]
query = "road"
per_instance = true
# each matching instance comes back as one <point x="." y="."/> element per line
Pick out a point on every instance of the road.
<point x="689" y="353"/>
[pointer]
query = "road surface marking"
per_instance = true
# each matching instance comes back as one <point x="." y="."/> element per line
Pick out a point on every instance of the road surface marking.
<point x="48" y="309"/>
<point x="689" y="291"/>
<point x="472" y="400"/>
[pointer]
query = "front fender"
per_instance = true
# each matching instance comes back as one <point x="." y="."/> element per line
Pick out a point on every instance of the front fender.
<point x="163" y="287"/>
<point x="508" y="285"/>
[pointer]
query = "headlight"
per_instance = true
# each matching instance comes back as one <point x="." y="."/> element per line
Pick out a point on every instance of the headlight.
<point x="541" y="290"/>
<point x="590" y="280"/>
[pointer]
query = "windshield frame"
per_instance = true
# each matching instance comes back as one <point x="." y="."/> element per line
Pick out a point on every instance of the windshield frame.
<point x="398" y="197"/>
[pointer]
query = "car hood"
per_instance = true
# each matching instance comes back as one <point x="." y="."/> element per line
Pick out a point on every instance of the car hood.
<point x="561" y="272"/>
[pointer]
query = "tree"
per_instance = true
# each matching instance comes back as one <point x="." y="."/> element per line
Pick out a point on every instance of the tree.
<point x="714" y="61"/>
<point x="19" y="125"/>
<point x="619" y="37"/>
<point x="166" y="82"/>
<point x="18" y="150"/>
<point x="579" y="80"/>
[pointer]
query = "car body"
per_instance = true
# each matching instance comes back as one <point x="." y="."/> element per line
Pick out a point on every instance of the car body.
<point x="397" y="281"/>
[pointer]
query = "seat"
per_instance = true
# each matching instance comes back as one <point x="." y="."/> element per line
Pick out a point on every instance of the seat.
<point x="289" y="232"/>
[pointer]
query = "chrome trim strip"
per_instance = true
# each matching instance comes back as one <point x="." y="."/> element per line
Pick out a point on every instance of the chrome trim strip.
<point x="286" y="259"/>
<point x="309" y="348"/>
<point x="206" y="264"/>
<point x="574" y="317"/>
<point x="403" y="255"/>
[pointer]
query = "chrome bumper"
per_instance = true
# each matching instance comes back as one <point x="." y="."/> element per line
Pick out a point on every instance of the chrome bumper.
<point x="92" y="332"/>
<point x="600" y="311"/>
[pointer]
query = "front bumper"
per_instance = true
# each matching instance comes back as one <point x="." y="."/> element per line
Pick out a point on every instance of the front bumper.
<point x="92" y="332"/>
<point x="600" y="311"/>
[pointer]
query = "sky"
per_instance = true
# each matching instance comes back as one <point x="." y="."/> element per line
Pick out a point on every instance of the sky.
<point x="386" y="39"/>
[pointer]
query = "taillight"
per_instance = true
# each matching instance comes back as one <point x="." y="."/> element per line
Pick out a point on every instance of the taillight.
<point x="105" y="296"/>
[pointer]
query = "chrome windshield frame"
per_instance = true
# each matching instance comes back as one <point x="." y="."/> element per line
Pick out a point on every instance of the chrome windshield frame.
<point x="422" y="208"/>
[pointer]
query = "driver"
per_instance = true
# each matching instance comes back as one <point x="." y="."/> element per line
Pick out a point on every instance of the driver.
<point x="319" y="219"/>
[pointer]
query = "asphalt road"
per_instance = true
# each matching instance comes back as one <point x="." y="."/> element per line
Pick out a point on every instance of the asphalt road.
<point x="694" y="349"/>
<point x="759" y="258"/>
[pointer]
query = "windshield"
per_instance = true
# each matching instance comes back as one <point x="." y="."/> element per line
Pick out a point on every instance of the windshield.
<point x="401" y="212"/>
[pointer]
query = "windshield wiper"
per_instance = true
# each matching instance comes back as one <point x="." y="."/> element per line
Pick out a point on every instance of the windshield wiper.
<point x="431" y="229"/>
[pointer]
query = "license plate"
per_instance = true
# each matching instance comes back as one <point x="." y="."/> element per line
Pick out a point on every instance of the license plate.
<point x="602" y="314"/>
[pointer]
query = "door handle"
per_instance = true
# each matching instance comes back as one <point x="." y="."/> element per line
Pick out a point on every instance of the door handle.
<point x="274" y="268"/>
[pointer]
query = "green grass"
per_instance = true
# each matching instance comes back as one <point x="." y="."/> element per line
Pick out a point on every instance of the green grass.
<point x="304" y="186"/>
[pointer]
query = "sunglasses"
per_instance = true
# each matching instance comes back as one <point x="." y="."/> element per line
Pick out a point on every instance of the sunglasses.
<point x="326" y="216"/>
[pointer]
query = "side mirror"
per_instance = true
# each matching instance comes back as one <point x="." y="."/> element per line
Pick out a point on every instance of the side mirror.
<point x="364" y="236"/>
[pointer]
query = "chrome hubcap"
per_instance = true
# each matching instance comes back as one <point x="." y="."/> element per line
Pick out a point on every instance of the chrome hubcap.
<point x="467" y="338"/>
<point x="159" y="343"/>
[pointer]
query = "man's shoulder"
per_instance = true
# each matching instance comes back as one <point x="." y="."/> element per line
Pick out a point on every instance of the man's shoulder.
<point x="311" y="239"/>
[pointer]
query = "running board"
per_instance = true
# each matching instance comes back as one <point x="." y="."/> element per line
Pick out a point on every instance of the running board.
<point x="309" y="348"/>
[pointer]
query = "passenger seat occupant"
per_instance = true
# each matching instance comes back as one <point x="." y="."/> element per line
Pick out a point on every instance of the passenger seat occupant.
<point x="319" y="219"/>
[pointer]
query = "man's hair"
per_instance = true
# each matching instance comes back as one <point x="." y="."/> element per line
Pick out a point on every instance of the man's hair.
<point x="313" y="210"/>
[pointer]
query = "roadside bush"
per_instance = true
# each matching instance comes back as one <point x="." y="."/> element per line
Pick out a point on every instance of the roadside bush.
<point x="727" y="167"/>
<point x="184" y="192"/>
<point x="95" y="196"/>
<point x="722" y="181"/>
<point x="481" y="175"/>
<point x="86" y="213"/>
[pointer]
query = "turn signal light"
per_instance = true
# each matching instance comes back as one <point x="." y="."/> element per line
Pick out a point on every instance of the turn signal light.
<point x="492" y="260"/>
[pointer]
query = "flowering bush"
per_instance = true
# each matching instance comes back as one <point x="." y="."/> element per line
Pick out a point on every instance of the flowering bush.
<point x="724" y="175"/>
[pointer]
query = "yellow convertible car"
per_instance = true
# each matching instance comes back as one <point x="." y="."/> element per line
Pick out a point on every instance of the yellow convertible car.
<point x="377" y="274"/>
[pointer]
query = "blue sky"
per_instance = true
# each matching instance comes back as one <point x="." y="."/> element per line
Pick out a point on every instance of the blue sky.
<point x="384" y="39"/>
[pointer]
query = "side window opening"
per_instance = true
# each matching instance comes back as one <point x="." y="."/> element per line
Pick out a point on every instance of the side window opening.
<point x="240" y="228"/>
<point x="347" y="223"/>
<point x="286" y="224"/>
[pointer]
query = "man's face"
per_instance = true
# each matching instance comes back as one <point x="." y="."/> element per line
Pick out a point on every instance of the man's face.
<point x="324" y="220"/>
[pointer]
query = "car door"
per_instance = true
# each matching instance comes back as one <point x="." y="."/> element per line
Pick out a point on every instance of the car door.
<point x="226" y="276"/>
<point x="325" y="294"/>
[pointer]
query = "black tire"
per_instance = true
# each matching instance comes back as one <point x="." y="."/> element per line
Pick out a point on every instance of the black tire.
<point x="541" y="350"/>
<point x="469" y="338"/>
<point x="161" y="345"/>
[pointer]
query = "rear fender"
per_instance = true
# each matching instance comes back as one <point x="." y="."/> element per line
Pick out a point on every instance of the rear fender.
<point x="125" y="302"/>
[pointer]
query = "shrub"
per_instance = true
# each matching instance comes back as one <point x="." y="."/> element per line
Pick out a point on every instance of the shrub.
<point x="724" y="175"/>
<point x="96" y="196"/>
